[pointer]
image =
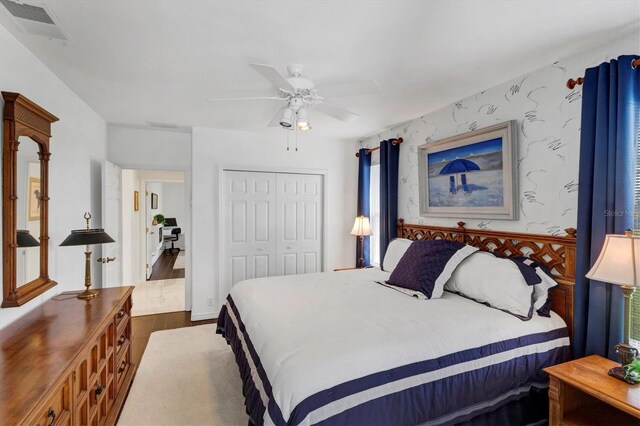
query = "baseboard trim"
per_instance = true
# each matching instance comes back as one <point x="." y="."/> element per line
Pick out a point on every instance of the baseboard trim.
<point x="203" y="316"/>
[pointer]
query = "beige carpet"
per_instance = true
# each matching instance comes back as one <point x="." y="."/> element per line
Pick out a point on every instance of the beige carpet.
<point x="188" y="376"/>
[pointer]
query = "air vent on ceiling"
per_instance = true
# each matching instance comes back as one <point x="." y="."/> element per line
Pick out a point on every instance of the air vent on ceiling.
<point x="35" y="18"/>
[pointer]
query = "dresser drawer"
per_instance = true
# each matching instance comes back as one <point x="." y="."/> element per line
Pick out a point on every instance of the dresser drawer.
<point x="123" y="365"/>
<point x="123" y="313"/>
<point x="57" y="409"/>
<point x="123" y="338"/>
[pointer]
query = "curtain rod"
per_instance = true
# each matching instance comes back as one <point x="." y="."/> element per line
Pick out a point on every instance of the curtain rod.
<point x="397" y="141"/>
<point x="571" y="83"/>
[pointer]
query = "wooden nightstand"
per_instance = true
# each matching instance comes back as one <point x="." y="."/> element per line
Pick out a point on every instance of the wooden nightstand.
<point x="582" y="393"/>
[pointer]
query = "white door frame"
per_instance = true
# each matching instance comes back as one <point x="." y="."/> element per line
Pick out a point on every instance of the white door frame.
<point x="188" y="286"/>
<point x="266" y="169"/>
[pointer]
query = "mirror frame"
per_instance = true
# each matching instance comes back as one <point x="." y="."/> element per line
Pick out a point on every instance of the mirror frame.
<point x="23" y="117"/>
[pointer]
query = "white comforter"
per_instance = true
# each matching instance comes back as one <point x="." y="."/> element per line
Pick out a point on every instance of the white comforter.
<point x="314" y="331"/>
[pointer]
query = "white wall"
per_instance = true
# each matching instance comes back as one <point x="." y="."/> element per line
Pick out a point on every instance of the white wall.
<point x="78" y="148"/>
<point x="174" y="201"/>
<point x="548" y="117"/>
<point x="213" y="149"/>
<point x="135" y="148"/>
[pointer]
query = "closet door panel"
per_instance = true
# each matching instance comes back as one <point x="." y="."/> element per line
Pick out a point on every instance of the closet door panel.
<point x="289" y="264"/>
<point x="299" y="223"/>
<point x="248" y="233"/>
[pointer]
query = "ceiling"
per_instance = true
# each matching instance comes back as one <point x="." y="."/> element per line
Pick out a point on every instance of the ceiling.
<point x="140" y="61"/>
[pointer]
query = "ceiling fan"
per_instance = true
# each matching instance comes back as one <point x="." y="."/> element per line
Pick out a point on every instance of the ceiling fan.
<point x="298" y="94"/>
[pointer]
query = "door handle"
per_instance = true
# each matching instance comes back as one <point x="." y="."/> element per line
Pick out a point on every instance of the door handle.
<point x="106" y="259"/>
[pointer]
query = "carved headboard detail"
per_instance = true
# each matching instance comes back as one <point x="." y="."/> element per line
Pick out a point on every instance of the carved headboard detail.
<point x="558" y="253"/>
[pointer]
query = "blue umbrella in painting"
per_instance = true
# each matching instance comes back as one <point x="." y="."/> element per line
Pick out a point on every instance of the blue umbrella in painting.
<point x="459" y="165"/>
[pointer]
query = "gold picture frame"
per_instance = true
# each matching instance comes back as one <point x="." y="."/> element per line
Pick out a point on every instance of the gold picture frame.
<point x="136" y="201"/>
<point x="34" y="198"/>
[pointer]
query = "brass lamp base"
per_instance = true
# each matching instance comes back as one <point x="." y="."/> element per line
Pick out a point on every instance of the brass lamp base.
<point x="87" y="294"/>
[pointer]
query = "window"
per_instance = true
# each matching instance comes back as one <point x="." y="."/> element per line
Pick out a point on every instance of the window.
<point x="374" y="214"/>
<point x="635" y="301"/>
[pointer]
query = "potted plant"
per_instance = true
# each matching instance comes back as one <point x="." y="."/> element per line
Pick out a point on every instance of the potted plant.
<point x="158" y="219"/>
<point x="632" y="371"/>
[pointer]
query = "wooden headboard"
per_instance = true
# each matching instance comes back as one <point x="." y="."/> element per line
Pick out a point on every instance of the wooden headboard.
<point x="558" y="253"/>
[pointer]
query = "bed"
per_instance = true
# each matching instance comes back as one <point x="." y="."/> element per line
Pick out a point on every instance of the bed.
<point x="339" y="348"/>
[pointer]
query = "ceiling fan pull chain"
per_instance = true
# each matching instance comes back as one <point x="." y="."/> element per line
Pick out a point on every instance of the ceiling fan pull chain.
<point x="296" y="138"/>
<point x="287" y="141"/>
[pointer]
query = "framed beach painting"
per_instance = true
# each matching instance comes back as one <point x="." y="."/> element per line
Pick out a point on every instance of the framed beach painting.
<point x="473" y="175"/>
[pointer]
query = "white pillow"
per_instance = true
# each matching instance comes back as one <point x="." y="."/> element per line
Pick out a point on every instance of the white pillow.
<point x="495" y="282"/>
<point x="395" y="251"/>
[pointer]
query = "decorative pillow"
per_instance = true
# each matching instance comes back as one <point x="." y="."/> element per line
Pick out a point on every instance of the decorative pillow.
<point x="427" y="265"/>
<point x="395" y="251"/>
<point x="496" y="282"/>
<point x="539" y="276"/>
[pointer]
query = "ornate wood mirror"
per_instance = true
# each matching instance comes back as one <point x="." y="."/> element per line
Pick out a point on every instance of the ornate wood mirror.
<point x="25" y="200"/>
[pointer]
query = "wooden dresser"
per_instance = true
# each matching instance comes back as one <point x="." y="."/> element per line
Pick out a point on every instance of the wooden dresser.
<point x="67" y="362"/>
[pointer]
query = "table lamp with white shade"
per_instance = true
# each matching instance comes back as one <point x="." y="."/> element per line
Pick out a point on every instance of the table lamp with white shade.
<point x="361" y="228"/>
<point x="619" y="263"/>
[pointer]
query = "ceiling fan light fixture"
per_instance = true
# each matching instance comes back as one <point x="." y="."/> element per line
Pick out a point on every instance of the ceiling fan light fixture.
<point x="307" y="127"/>
<point x="303" y="119"/>
<point x="287" y="118"/>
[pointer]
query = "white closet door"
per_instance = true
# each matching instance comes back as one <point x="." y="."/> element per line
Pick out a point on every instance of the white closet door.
<point x="249" y="228"/>
<point x="299" y="224"/>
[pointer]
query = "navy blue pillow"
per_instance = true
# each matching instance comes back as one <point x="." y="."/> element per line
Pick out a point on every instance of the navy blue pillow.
<point x="424" y="265"/>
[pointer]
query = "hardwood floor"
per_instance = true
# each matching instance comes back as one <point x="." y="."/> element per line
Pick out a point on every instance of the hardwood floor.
<point x="142" y="327"/>
<point x="163" y="268"/>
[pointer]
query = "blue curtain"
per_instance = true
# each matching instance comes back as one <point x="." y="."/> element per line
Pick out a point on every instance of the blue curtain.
<point x="364" y="173"/>
<point x="608" y="147"/>
<point x="389" y="158"/>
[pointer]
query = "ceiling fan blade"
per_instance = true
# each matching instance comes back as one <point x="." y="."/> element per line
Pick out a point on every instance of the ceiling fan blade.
<point x="273" y="75"/>
<point x="257" y="98"/>
<point x="275" y="121"/>
<point x="355" y="88"/>
<point x="336" y="112"/>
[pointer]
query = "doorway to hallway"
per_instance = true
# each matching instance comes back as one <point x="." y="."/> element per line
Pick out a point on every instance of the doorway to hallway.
<point x="155" y="222"/>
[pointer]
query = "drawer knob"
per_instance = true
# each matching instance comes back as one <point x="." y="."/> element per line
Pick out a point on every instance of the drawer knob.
<point x="123" y="366"/>
<point x="99" y="389"/>
<point x="121" y="341"/>
<point x="120" y="313"/>
<point x="51" y="414"/>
